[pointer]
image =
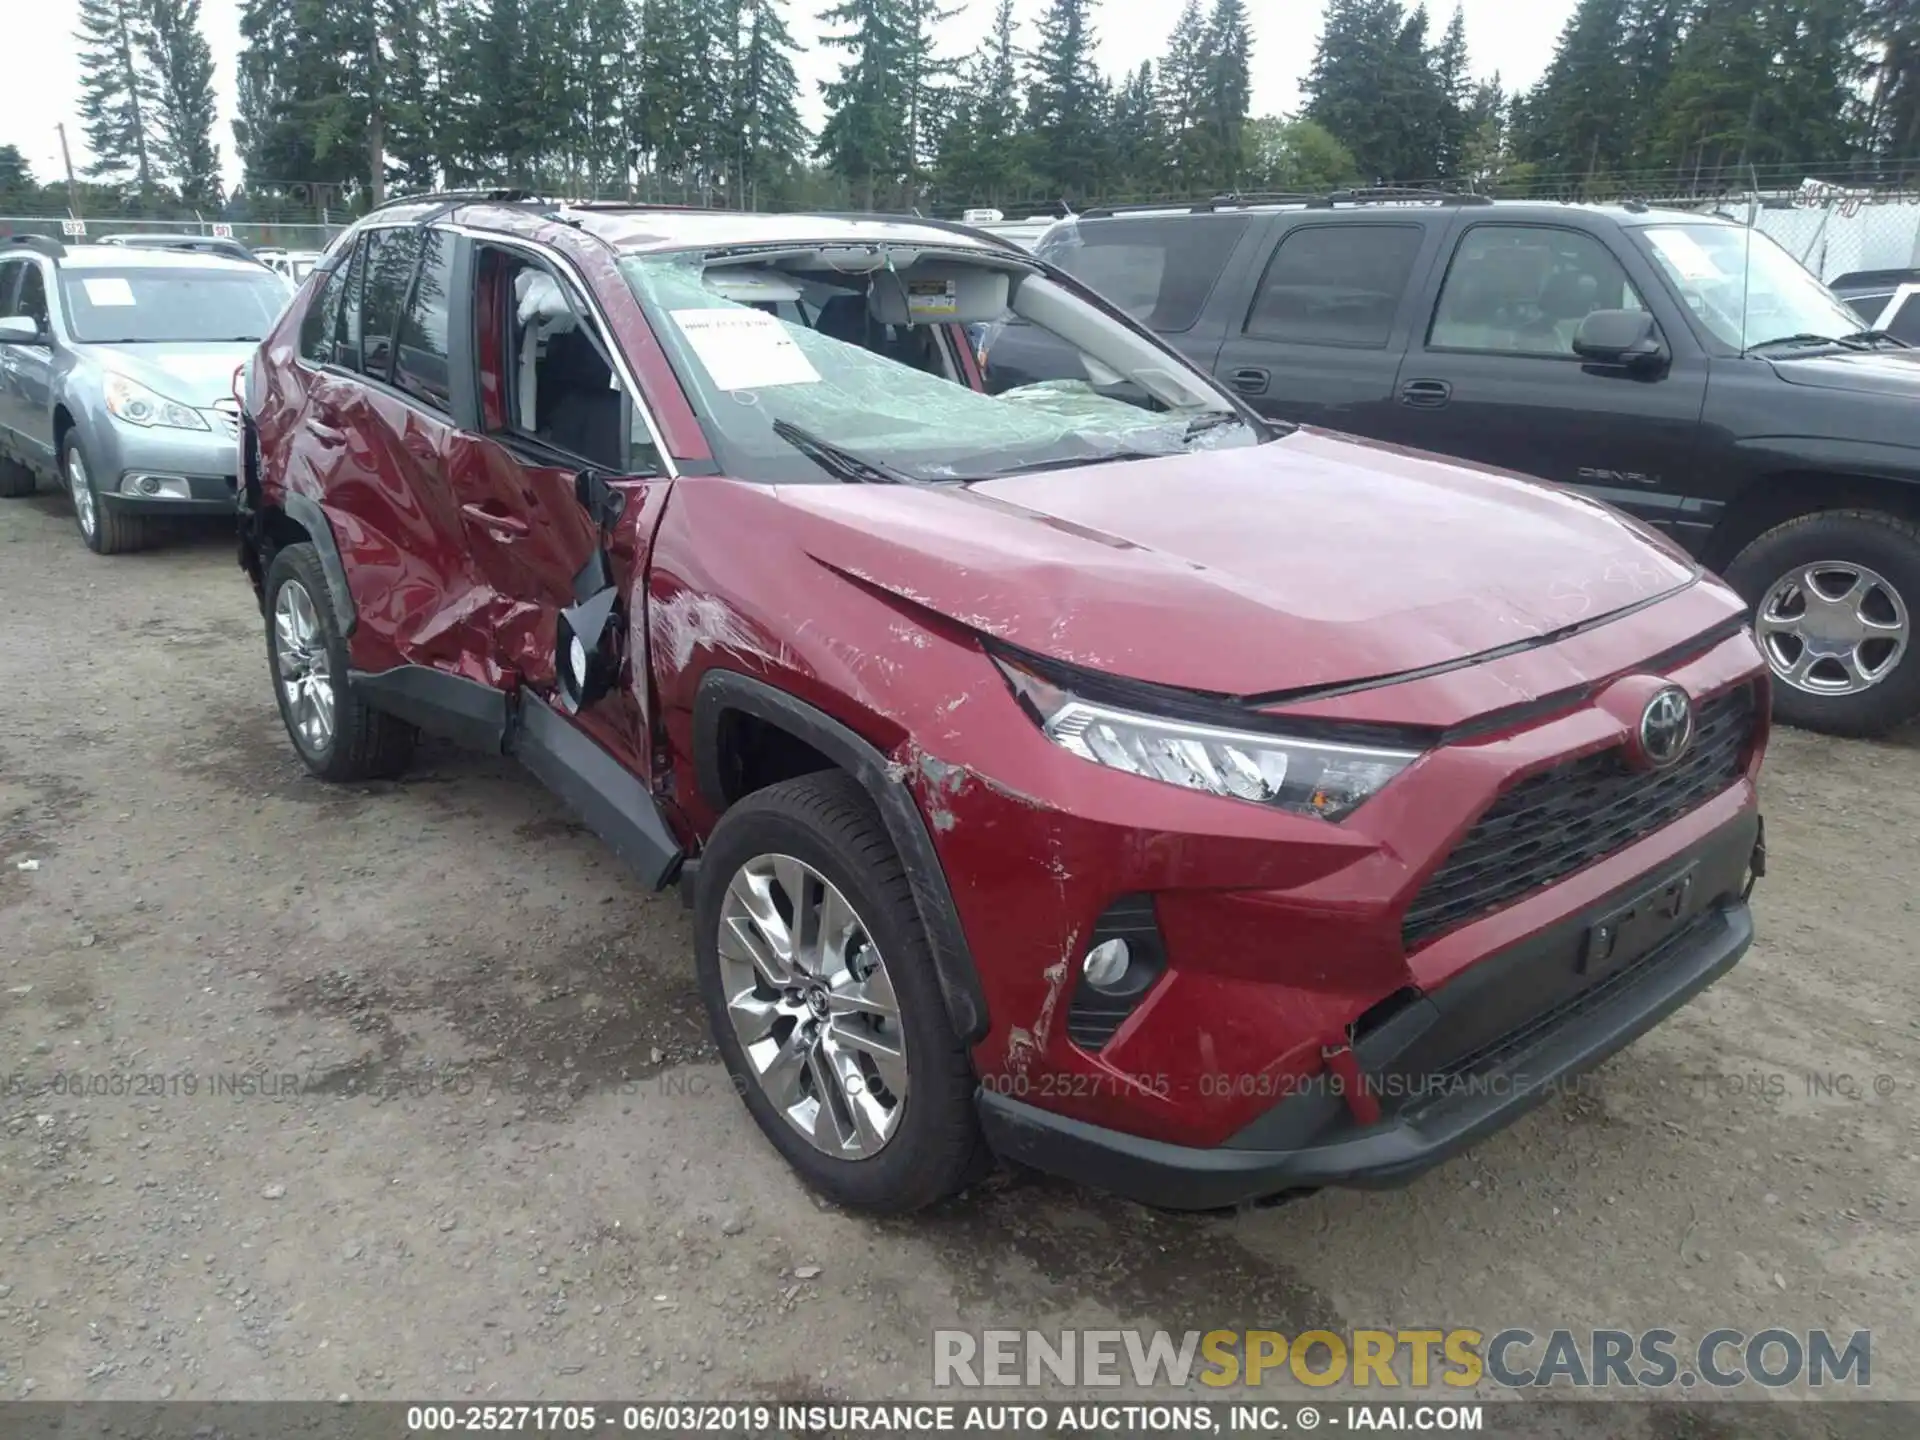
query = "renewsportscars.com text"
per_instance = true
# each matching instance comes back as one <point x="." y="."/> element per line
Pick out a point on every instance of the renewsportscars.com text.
<point x="1385" y="1359"/>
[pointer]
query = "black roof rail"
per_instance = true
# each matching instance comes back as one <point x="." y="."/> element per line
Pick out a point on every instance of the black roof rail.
<point x="956" y="227"/>
<point x="1163" y="207"/>
<point x="205" y="244"/>
<point x="45" y="244"/>
<point x="1232" y="198"/>
<point x="1365" y="194"/>
<point x="451" y="198"/>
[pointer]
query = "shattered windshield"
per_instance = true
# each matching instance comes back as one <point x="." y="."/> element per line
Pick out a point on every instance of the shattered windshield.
<point x="859" y="363"/>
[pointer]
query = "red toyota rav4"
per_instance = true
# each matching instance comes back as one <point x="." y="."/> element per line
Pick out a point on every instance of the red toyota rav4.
<point x="1074" y="768"/>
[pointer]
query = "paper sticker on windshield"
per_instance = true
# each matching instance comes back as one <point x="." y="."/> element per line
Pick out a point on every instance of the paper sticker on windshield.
<point x="932" y="300"/>
<point x="108" y="290"/>
<point x="1689" y="260"/>
<point x="745" y="349"/>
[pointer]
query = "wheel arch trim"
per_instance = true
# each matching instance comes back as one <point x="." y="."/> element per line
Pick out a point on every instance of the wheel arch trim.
<point x="723" y="690"/>
<point x="306" y="511"/>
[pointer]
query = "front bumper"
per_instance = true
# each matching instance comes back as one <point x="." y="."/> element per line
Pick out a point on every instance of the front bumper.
<point x="203" y="459"/>
<point x="1441" y="1081"/>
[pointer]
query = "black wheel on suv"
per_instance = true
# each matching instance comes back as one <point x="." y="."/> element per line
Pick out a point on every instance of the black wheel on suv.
<point x="106" y="530"/>
<point x="15" y="479"/>
<point x="820" y="988"/>
<point x="338" y="736"/>
<point x="1835" y="598"/>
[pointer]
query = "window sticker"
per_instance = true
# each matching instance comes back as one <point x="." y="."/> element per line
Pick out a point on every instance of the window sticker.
<point x="932" y="300"/>
<point x="106" y="290"/>
<point x="744" y="349"/>
<point x="1689" y="260"/>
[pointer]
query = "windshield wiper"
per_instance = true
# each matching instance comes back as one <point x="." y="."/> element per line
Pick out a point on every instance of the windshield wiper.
<point x="1807" y="338"/>
<point x="1878" y="337"/>
<point x="1201" y="424"/>
<point x="841" y="464"/>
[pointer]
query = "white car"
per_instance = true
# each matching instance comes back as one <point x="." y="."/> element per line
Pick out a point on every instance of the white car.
<point x="296" y="265"/>
<point x="1900" y="316"/>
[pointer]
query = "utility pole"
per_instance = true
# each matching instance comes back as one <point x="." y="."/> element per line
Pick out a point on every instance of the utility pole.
<point x="73" y="188"/>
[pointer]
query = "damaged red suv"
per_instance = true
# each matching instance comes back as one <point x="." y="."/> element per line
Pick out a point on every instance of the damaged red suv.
<point x="1066" y="766"/>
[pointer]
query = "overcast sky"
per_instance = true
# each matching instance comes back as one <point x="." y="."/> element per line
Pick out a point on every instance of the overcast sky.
<point x="1514" y="39"/>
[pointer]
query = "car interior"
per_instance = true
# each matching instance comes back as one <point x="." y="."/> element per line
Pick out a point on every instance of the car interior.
<point x="555" y="376"/>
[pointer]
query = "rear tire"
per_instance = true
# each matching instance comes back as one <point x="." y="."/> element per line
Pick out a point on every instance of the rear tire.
<point x="337" y="736"/>
<point x="15" y="479"/>
<point x="1799" y="572"/>
<point x="824" y="829"/>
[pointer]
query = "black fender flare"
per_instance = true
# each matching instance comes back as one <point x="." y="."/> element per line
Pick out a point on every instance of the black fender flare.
<point x="311" y="518"/>
<point x="724" y="690"/>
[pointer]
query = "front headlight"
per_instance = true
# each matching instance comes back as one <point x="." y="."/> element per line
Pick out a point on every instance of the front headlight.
<point x="137" y="405"/>
<point x="1307" y="777"/>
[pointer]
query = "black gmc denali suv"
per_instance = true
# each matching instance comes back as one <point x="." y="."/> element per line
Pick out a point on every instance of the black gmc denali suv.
<point x="1678" y="366"/>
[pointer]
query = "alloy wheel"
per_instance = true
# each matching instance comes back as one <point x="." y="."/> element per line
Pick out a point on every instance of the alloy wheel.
<point x="83" y="501"/>
<point x="1832" y="628"/>
<point x="809" y="997"/>
<point x="300" y="657"/>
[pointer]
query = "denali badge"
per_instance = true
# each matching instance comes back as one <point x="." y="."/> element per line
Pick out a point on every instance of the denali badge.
<point x="1666" y="727"/>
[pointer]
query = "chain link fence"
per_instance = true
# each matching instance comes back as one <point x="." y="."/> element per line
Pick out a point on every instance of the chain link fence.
<point x="258" y="235"/>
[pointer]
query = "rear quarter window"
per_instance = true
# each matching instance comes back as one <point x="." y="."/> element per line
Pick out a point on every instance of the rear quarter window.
<point x="1160" y="269"/>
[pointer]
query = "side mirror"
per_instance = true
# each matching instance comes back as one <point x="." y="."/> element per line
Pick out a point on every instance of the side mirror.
<point x="19" y="330"/>
<point x="1627" y="338"/>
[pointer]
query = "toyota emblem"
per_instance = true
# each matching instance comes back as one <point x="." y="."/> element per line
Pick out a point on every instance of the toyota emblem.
<point x="1666" y="727"/>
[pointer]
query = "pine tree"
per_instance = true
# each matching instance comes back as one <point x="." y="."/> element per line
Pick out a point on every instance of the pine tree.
<point x="1068" y="103"/>
<point x="117" y="90"/>
<point x="1375" y="86"/>
<point x="1890" y="30"/>
<point x="1142" y="147"/>
<point x="1580" y="118"/>
<point x="275" y="153"/>
<point x="1229" y="89"/>
<point x="981" y="160"/>
<point x="1183" y="100"/>
<point x="1457" y="92"/>
<point x="182" y="64"/>
<point x="865" y="138"/>
<point x="767" y="133"/>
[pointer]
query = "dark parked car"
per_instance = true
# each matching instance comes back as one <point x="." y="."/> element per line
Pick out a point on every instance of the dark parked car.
<point x="1667" y="363"/>
<point x="1194" y="806"/>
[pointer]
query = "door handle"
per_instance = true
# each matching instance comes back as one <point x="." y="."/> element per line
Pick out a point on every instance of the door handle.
<point x="1249" y="380"/>
<point x="1425" y="394"/>
<point x="504" y="526"/>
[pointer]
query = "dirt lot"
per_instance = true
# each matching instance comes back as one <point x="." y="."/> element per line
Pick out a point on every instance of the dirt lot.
<point x="506" y="1165"/>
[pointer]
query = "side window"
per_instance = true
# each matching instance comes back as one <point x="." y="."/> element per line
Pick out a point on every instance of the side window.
<point x="320" y="326"/>
<point x="30" y="299"/>
<point x="420" y="354"/>
<point x="390" y="256"/>
<point x="556" y="376"/>
<point x="1335" y="284"/>
<point x="1524" y="289"/>
<point x="1158" y="269"/>
<point x="9" y="278"/>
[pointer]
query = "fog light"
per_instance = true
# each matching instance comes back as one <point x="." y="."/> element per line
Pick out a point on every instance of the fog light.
<point x="169" y="487"/>
<point x="1106" y="964"/>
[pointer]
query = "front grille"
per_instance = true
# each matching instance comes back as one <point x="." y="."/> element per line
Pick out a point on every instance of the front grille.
<point x="1562" y="820"/>
<point x="229" y="411"/>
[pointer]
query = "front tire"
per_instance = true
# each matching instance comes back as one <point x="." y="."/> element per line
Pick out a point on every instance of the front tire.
<point x="106" y="531"/>
<point x="820" y="989"/>
<point x="1836" y="597"/>
<point x="337" y="735"/>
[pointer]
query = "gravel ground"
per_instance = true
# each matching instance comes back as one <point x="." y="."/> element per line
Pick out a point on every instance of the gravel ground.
<point x="486" y="1150"/>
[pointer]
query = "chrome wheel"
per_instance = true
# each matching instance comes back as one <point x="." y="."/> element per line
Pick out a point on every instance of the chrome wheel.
<point x="300" y="657"/>
<point x="1834" y="628"/>
<point x="809" y="996"/>
<point x="83" y="501"/>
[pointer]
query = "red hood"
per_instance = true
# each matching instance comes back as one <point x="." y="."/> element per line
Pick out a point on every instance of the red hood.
<point x="1309" y="561"/>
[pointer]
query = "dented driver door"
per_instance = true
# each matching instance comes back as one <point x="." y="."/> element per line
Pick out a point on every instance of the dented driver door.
<point x="552" y="412"/>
